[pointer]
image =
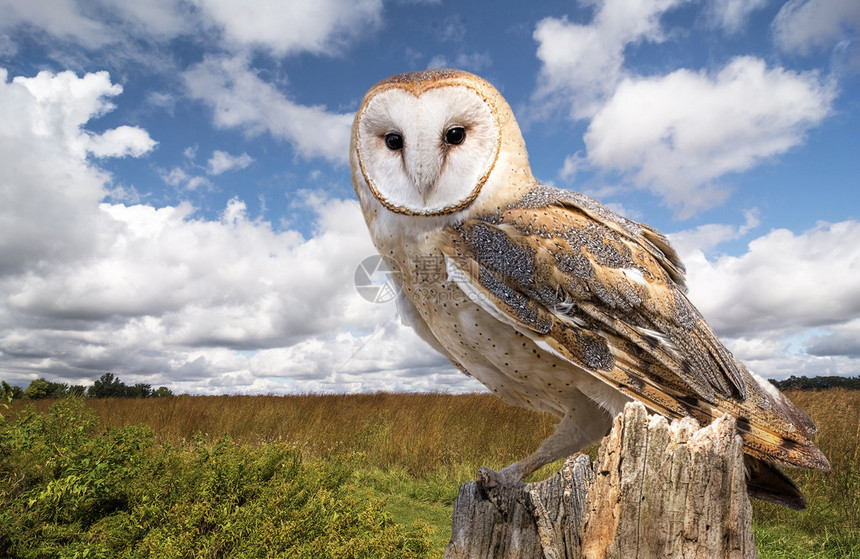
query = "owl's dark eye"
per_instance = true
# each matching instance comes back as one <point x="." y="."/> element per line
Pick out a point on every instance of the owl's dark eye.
<point x="393" y="141"/>
<point x="455" y="135"/>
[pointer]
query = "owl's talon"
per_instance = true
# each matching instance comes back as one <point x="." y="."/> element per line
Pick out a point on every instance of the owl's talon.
<point x="488" y="478"/>
<point x="491" y="480"/>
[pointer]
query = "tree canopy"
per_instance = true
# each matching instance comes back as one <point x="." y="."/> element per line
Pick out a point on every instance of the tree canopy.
<point x="107" y="386"/>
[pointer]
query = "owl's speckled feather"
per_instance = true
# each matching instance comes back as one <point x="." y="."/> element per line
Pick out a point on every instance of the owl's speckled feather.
<point x="550" y="299"/>
<point x="605" y="300"/>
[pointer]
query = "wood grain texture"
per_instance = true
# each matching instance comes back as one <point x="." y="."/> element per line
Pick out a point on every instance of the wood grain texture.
<point x="656" y="490"/>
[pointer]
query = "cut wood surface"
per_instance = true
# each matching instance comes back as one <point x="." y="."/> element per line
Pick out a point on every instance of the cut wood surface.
<point x="656" y="490"/>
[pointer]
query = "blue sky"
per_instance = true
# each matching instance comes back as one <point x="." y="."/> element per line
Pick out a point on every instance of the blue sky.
<point x="176" y="207"/>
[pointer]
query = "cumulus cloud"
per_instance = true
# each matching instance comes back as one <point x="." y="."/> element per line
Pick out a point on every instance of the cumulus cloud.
<point x="390" y="358"/>
<point x="786" y="306"/>
<point x="581" y="64"/>
<point x="707" y="237"/>
<point x="221" y="162"/>
<point x="232" y="283"/>
<point x="236" y="94"/>
<point x="161" y="295"/>
<point x="240" y="99"/>
<point x="804" y="25"/>
<point x="322" y="26"/>
<point x="214" y="306"/>
<point x="784" y="283"/>
<point x="49" y="187"/>
<point x="678" y="134"/>
<point x="283" y="28"/>
<point x="840" y="339"/>
<point x="120" y="142"/>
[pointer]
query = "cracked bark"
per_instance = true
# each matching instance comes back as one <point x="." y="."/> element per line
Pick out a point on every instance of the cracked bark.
<point x="656" y="490"/>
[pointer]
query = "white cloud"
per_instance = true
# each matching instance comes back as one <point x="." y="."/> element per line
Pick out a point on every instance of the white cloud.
<point x="785" y="283"/>
<point x="49" y="187"/>
<point x="121" y="142"/>
<point x="775" y="359"/>
<point x="179" y="178"/>
<point x="322" y="26"/>
<point x="58" y="17"/>
<point x="198" y="183"/>
<point x="581" y="64"/>
<point x="175" y="177"/>
<point x="159" y="295"/>
<point x="240" y="99"/>
<point x="111" y="22"/>
<point x="60" y="105"/>
<point x="804" y="25"/>
<point x="388" y="359"/>
<point x="162" y="19"/>
<point x="789" y="305"/>
<point x="238" y="96"/>
<point x="210" y="303"/>
<point x="677" y="134"/>
<point x="732" y="15"/>
<point x="438" y="61"/>
<point x="284" y="28"/>
<point x="705" y="238"/>
<point x="221" y="162"/>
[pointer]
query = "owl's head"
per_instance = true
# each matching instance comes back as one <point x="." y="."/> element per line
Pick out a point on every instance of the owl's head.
<point x="426" y="143"/>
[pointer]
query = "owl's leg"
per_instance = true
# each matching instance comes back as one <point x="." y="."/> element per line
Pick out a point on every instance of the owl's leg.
<point x="581" y="426"/>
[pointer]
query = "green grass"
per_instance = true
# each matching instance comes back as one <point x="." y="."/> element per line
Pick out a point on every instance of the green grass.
<point x="410" y="500"/>
<point x="406" y="455"/>
<point x="785" y="542"/>
<point x="69" y="491"/>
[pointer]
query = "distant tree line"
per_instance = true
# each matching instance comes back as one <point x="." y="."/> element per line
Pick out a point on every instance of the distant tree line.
<point x="110" y="386"/>
<point x="107" y="386"/>
<point x="817" y="383"/>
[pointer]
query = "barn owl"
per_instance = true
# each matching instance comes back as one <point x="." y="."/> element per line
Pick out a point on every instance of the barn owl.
<point x="550" y="299"/>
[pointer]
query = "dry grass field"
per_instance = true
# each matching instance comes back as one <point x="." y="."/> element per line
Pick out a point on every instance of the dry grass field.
<point x="423" y="434"/>
<point x="415" y="450"/>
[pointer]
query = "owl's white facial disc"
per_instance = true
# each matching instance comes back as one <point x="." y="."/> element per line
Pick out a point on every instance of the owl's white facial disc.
<point x="428" y="154"/>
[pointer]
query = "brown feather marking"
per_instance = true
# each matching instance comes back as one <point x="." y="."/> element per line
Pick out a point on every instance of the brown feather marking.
<point x="558" y="275"/>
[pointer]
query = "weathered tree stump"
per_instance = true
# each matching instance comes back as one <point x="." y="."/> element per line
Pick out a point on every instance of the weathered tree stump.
<point x="656" y="490"/>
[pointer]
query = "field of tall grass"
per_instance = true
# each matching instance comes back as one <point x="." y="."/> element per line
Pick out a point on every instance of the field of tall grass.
<point x="413" y="451"/>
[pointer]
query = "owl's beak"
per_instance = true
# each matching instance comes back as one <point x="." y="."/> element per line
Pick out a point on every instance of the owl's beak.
<point x="424" y="167"/>
<point x="424" y="188"/>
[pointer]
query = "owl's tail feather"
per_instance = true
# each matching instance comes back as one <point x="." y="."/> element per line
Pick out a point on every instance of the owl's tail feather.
<point x="767" y="483"/>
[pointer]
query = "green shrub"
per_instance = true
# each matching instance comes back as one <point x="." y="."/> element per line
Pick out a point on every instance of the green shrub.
<point x="68" y="491"/>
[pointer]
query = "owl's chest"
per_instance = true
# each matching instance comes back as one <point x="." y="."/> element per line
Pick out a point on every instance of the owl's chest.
<point x="509" y="363"/>
<point x="456" y="320"/>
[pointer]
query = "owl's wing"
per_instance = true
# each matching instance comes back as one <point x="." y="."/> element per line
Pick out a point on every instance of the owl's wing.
<point x="607" y="294"/>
